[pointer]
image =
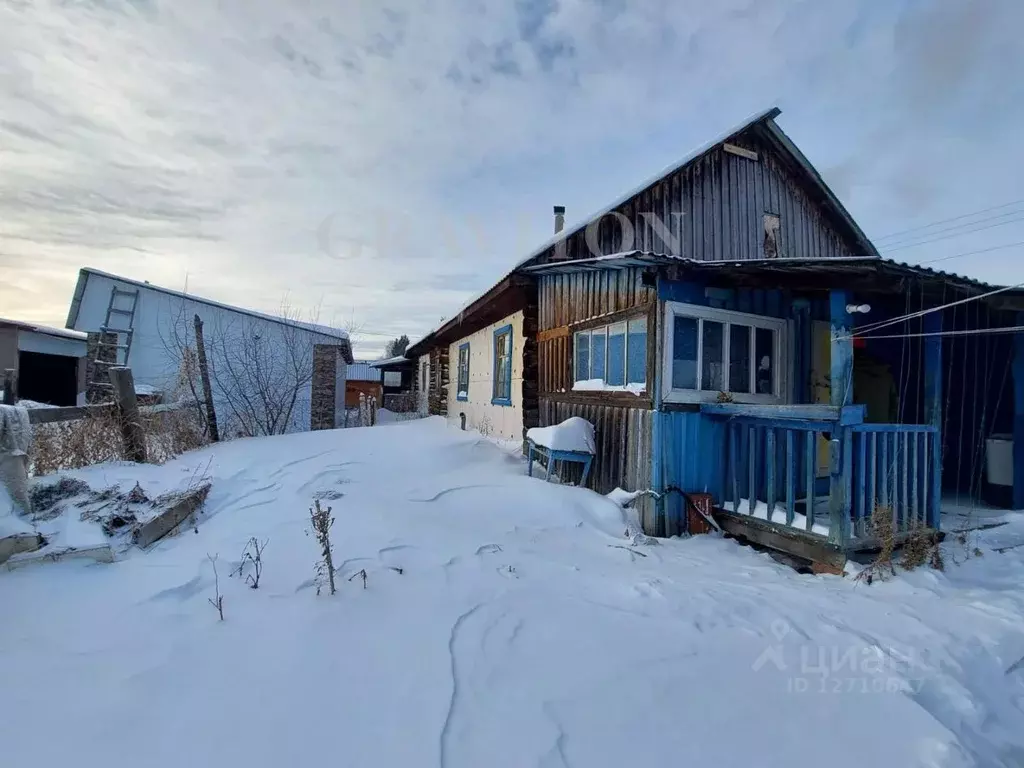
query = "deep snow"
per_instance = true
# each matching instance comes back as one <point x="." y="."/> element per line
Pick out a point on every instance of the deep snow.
<point x="524" y="629"/>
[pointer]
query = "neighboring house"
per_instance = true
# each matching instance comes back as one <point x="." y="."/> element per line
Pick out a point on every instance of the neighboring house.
<point x="398" y="376"/>
<point x="300" y="367"/>
<point x="475" y="368"/>
<point x="730" y="330"/>
<point x="49" y="364"/>
<point x="363" y="379"/>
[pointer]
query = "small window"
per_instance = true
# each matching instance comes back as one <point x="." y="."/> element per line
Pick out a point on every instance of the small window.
<point x="462" y="393"/>
<point x="711" y="351"/>
<point x="611" y="357"/>
<point x="502" y="389"/>
<point x="772" y="225"/>
<point x="392" y="378"/>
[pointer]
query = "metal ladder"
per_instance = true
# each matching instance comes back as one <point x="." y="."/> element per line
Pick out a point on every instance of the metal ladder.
<point x="127" y="328"/>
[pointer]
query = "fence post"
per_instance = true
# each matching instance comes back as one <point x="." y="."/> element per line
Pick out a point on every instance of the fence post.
<point x="128" y="414"/>
<point x="10" y="386"/>
<point x="204" y="374"/>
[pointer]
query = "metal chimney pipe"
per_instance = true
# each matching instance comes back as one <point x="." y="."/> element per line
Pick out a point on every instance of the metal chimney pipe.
<point x="559" y="218"/>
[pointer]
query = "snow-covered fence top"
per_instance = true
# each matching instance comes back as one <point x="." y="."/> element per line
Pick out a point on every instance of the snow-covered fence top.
<point x="574" y="434"/>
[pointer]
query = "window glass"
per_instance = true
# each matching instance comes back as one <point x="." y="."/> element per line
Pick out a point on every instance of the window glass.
<point x="739" y="358"/>
<point x="582" y="345"/>
<point x="503" y="366"/>
<point x="598" y="353"/>
<point x="764" y="359"/>
<point x="684" y="353"/>
<point x="712" y="364"/>
<point x="616" y="355"/>
<point x="636" y="352"/>
<point x="463" y="382"/>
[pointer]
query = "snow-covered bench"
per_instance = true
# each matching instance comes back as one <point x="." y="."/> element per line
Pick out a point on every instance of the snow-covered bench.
<point x="571" y="441"/>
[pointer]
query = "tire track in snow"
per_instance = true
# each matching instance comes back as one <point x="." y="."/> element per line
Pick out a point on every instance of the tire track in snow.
<point x="446" y="491"/>
<point x="446" y="728"/>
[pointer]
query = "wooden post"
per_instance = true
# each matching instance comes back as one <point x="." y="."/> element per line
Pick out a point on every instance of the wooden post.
<point x="933" y="376"/>
<point x="1018" y="417"/>
<point x="842" y="349"/>
<point x="128" y="413"/>
<point x="10" y="386"/>
<point x="204" y="374"/>
<point x="842" y="395"/>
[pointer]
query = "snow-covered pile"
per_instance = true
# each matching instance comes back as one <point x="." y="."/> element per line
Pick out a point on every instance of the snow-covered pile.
<point x="573" y="434"/>
<point x="505" y="622"/>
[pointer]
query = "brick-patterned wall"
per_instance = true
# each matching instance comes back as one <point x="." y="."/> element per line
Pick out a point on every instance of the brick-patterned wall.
<point x="437" y="404"/>
<point x="324" y="386"/>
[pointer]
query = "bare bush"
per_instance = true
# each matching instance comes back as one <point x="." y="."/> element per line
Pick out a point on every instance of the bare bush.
<point x="217" y="601"/>
<point x="883" y="530"/>
<point x="253" y="555"/>
<point x="321" y="520"/>
<point x="97" y="438"/>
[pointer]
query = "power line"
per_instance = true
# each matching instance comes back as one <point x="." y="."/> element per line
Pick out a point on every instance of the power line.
<point x="922" y="313"/>
<point x="947" y="220"/>
<point x="969" y="332"/>
<point x="973" y="253"/>
<point x="955" y="234"/>
<point x="956" y="229"/>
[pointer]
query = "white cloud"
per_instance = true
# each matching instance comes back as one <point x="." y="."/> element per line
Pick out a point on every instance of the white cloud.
<point x="165" y="139"/>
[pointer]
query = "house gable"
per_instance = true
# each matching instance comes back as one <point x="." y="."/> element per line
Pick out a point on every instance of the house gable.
<point x="751" y="195"/>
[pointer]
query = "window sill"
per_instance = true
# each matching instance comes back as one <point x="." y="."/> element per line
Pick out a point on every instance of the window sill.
<point x="462" y="399"/>
<point x="504" y="401"/>
<point x="697" y="396"/>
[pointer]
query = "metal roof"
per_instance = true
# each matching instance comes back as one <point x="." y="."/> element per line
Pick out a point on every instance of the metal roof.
<point x="363" y="370"/>
<point x="851" y="265"/>
<point x="62" y="333"/>
<point x="85" y="272"/>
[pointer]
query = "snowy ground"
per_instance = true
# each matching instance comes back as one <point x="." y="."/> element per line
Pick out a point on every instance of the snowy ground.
<point x="522" y="631"/>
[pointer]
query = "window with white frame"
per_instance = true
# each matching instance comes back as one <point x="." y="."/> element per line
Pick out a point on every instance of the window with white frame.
<point x="611" y="357"/>
<point x="462" y="393"/>
<point x="710" y="351"/>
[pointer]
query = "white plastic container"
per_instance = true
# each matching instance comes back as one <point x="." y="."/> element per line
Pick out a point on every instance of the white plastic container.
<point x="999" y="460"/>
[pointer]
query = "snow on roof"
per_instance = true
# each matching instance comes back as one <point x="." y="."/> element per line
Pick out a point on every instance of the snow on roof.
<point x="84" y="272"/>
<point x="63" y="333"/>
<point x="389" y="361"/>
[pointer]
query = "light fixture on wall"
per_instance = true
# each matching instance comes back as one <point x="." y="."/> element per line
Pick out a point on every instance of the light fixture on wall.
<point x="858" y="309"/>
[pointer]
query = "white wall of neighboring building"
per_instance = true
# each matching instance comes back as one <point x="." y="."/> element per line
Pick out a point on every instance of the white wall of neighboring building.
<point x="164" y="321"/>
<point x="502" y="422"/>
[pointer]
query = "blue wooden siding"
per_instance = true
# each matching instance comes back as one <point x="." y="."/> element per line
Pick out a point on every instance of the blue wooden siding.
<point x="692" y="459"/>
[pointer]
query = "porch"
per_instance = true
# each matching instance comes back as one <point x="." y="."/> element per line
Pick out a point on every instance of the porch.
<point x="878" y="396"/>
<point x="820" y="473"/>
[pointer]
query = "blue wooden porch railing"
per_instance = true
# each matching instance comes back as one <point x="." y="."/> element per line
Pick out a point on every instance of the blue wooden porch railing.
<point x="778" y="467"/>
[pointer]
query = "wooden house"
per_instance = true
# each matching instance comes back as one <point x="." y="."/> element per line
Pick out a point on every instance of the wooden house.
<point x="478" y="369"/>
<point x="729" y="329"/>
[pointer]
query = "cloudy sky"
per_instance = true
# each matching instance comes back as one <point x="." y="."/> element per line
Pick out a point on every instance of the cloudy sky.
<point x="380" y="161"/>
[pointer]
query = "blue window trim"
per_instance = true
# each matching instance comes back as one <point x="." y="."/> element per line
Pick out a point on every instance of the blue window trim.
<point x="495" y="399"/>
<point x="458" y="389"/>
